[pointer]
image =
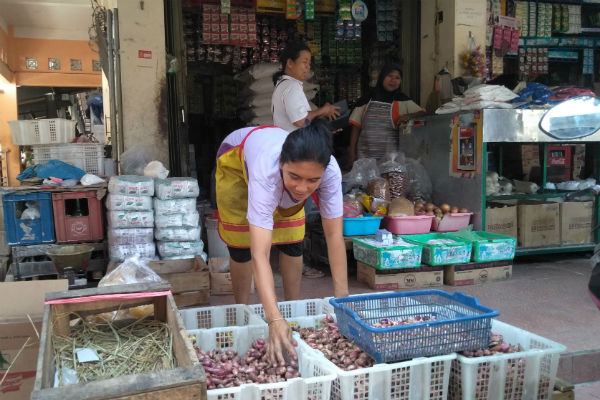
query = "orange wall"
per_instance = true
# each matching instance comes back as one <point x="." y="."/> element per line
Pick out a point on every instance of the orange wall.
<point x="3" y="47"/>
<point x="8" y="112"/>
<point x="43" y="49"/>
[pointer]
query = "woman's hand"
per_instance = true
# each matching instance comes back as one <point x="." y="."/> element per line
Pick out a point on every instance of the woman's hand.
<point x="280" y="340"/>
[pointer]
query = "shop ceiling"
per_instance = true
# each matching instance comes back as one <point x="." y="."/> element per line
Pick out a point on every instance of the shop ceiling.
<point x="60" y="19"/>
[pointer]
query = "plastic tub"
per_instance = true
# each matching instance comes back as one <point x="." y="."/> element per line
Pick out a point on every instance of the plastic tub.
<point x="361" y="226"/>
<point x="400" y="254"/>
<point x="452" y="222"/>
<point x="488" y="246"/>
<point x="436" y="252"/>
<point x="408" y="225"/>
<point x="216" y="246"/>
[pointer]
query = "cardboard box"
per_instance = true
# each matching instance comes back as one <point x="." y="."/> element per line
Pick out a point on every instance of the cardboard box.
<point x="538" y="224"/>
<point x="409" y="278"/>
<point x="220" y="282"/>
<point x="476" y="273"/>
<point x="530" y="157"/>
<point x="502" y="220"/>
<point x="17" y="334"/>
<point x="576" y="222"/>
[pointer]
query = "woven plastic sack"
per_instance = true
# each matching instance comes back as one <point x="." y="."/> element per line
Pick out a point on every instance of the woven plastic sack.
<point x="176" y="188"/>
<point x="130" y="219"/>
<point x="175" y="206"/>
<point x="129" y="236"/>
<point x="121" y="252"/>
<point x="126" y="202"/>
<point x="132" y="185"/>
<point x="176" y="220"/>
<point x="175" y="249"/>
<point x="171" y="234"/>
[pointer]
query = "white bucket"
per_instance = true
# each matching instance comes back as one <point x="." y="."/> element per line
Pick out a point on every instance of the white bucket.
<point x="216" y="246"/>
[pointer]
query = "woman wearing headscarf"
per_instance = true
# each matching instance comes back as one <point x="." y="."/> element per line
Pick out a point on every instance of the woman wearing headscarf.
<point x="376" y="118"/>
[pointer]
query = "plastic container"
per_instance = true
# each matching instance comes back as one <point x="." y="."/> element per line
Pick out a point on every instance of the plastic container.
<point x="529" y="374"/>
<point x="42" y="131"/>
<point x="452" y="222"/>
<point x="413" y="225"/>
<point x="361" y="226"/>
<point x="461" y="323"/>
<point x="298" y="310"/>
<point x="86" y="156"/>
<point x="216" y="246"/>
<point x="314" y="383"/>
<point x="235" y="315"/>
<point x="23" y="231"/>
<point x="489" y="246"/>
<point x="437" y="253"/>
<point x="417" y="379"/>
<point x="400" y="254"/>
<point x="77" y="217"/>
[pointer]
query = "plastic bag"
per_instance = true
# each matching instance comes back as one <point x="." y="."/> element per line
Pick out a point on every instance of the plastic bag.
<point x="132" y="270"/>
<point x="173" y="234"/>
<point x="156" y="169"/>
<point x="379" y="188"/>
<point x="120" y="252"/>
<point x="176" y="188"/>
<point x="393" y="168"/>
<point x="136" y="158"/>
<point x="175" y="206"/>
<point x="174" y="249"/>
<point x="32" y="211"/>
<point x="419" y="184"/>
<point x="363" y="170"/>
<point x="176" y="220"/>
<point x="130" y="203"/>
<point x="90" y="179"/>
<point x="352" y="207"/>
<point x="130" y="219"/>
<point x="130" y="236"/>
<point x="132" y="185"/>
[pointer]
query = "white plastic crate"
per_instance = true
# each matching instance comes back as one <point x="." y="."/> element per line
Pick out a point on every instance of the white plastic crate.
<point x="297" y="308"/>
<point x="86" y="156"/>
<point x="233" y="315"/>
<point x="314" y="382"/>
<point x="42" y="131"/>
<point x="424" y="378"/>
<point x="529" y="374"/>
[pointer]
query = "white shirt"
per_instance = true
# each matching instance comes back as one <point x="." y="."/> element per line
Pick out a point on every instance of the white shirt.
<point x="289" y="103"/>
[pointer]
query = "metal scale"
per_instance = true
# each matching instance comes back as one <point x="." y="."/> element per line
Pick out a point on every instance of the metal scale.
<point x="71" y="262"/>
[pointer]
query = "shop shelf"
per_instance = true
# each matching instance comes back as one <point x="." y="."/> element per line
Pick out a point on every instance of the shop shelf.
<point x="24" y="231"/>
<point x="77" y="217"/>
<point x="361" y="226"/>
<point x="525" y="251"/>
<point x="529" y="374"/>
<point x="456" y="322"/>
<point x="42" y="131"/>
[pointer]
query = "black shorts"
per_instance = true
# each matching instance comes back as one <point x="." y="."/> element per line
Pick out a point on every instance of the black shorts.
<point x="244" y="255"/>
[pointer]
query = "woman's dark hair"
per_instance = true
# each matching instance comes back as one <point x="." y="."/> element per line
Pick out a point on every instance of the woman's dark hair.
<point x="378" y="93"/>
<point x="311" y="143"/>
<point x="291" y="52"/>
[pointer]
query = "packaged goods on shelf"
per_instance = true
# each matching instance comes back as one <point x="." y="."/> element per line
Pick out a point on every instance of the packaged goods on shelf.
<point x="132" y="185"/>
<point x="130" y="236"/>
<point x="127" y="202"/>
<point x="174" y="234"/>
<point x="130" y="219"/>
<point x="176" y="220"/>
<point x="176" y="188"/>
<point x="175" y="206"/>
<point x="173" y="249"/>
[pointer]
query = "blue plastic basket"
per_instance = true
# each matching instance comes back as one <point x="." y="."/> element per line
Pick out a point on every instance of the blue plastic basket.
<point x="461" y="323"/>
<point x="28" y="231"/>
<point x="361" y="226"/>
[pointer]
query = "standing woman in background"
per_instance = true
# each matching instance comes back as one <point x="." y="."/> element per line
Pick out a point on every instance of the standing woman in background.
<point x="376" y="118"/>
<point x="289" y="103"/>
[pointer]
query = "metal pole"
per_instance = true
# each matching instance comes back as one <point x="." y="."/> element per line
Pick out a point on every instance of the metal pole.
<point x="118" y="92"/>
<point x="111" y="88"/>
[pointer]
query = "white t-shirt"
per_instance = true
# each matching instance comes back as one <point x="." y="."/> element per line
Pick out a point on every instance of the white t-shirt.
<point x="289" y="103"/>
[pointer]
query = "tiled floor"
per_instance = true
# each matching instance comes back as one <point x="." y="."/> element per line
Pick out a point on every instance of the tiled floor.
<point x="546" y="295"/>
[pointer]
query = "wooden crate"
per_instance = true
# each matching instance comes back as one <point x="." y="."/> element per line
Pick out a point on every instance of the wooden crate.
<point x="189" y="279"/>
<point x="186" y="381"/>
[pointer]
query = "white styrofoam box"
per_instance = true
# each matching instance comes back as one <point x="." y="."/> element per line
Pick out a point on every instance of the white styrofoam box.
<point x="176" y="188"/>
<point x="529" y="374"/>
<point x="177" y="234"/>
<point x="232" y="315"/>
<point x="176" y="220"/>
<point x="119" y="252"/>
<point x="126" y="202"/>
<point x="86" y="156"/>
<point x="174" y="249"/>
<point x="423" y="378"/>
<point x="130" y="219"/>
<point x="298" y="308"/>
<point x="42" y="131"/>
<point x="314" y="382"/>
<point x="129" y="236"/>
<point x="132" y="185"/>
<point x="174" y="206"/>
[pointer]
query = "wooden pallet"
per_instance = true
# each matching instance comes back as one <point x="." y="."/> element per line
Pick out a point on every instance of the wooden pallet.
<point x="186" y="381"/>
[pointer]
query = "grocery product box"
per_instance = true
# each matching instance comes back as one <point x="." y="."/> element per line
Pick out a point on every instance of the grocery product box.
<point x="576" y="222"/>
<point x="477" y="273"/>
<point x="424" y="276"/>
<point x="501" y="219"/>
<point x="538" y="224"/>
<point x="398" y="254"/>
<point x="220" y="277"/>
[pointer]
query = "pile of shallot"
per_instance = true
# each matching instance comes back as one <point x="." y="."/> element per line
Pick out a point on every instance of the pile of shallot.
<point x="497" y="346"/>
<point x="389" y="322"/>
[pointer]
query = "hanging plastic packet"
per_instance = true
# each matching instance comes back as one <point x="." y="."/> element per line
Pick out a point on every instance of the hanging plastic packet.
<point x="309" y="10"/>
<point x="290" y="9"/>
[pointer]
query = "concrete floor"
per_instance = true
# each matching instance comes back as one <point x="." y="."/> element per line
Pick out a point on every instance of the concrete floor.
<point x="546" y="295"/>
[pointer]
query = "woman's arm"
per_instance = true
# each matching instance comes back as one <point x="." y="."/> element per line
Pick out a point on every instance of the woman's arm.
<point x="336" y="250"/>
<point x="353" y="142"/>
<point x="328" y="110"/>
<point x="280" y="334"/>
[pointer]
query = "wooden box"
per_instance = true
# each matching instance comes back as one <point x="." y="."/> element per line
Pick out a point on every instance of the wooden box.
<point x="189" y="279"/>
<point x="186" y="381"/>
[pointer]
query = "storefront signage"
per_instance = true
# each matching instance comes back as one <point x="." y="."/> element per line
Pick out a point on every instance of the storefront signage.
<point x="145" y="54"/>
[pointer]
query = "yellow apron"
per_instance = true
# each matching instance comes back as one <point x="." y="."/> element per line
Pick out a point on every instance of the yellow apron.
<point x="232" y="203"/>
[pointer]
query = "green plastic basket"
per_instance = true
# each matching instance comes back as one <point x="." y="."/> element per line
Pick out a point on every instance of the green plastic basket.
<point x="400" y="254"/>
<point x="488" y="246"/>
<point x="441" y="253"/>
